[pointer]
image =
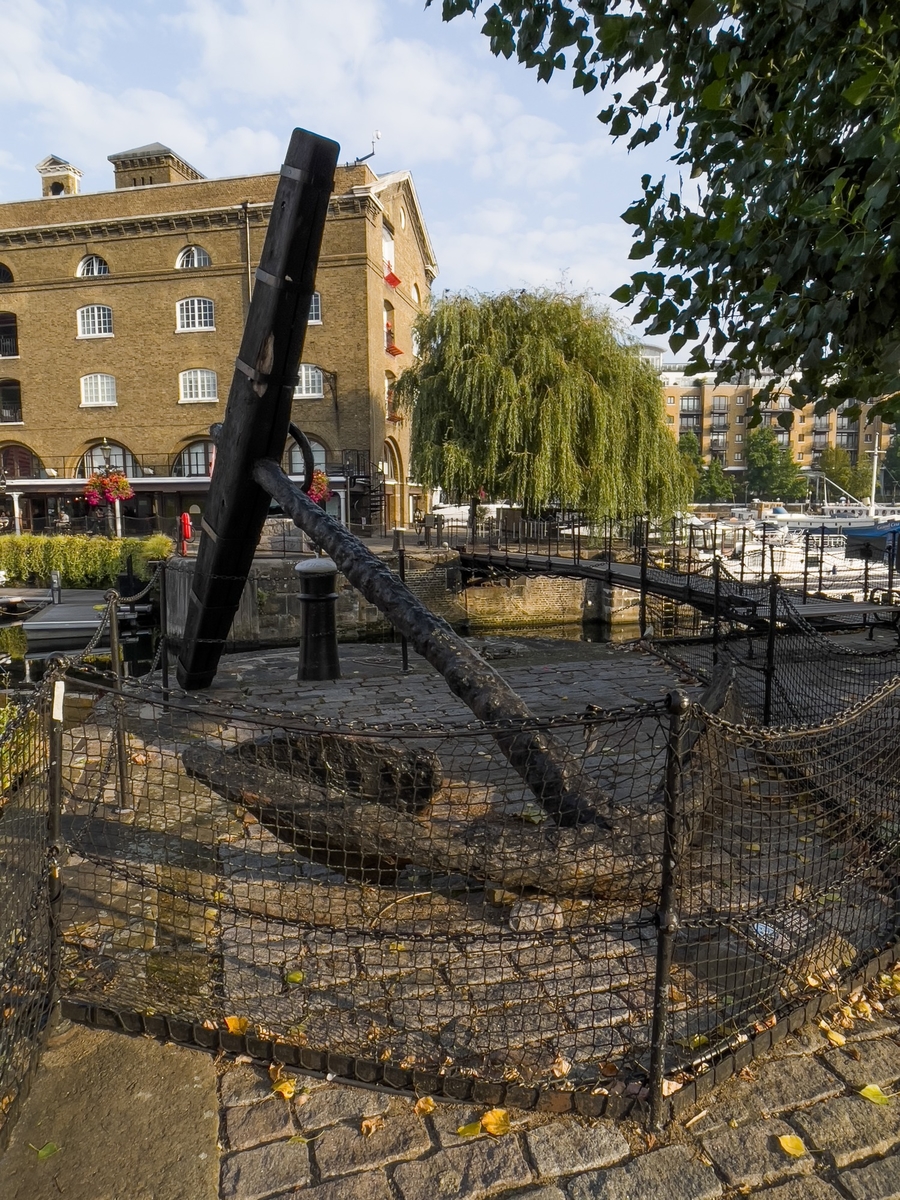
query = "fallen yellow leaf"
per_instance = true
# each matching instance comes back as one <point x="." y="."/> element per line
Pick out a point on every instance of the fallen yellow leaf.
<point x="874" y="1093"/>
<point x="471" y="1130"/>
<point x="560" y="1067"/>
<point x="836" y="1039"/>
<point x="294" y="977"/>
<point x="285" y="1088"/>
<point x="792" y="1145"/>
<point x="371" y="1125"/>
<point x="423" y="1106"/>
<point x="237" y="1025"/>
<point x="496" y="1122"/>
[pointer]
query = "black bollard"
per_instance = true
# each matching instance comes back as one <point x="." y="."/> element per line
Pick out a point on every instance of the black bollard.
<point x="318" y="625"/>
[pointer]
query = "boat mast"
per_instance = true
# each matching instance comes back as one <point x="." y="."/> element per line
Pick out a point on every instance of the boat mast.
<point x="875" y="454"/>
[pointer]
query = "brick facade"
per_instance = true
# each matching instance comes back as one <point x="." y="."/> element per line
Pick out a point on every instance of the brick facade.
<point x="140" y="232"/>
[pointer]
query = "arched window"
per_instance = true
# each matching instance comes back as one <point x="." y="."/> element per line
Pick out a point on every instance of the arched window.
<point x="315" y="309"/>
<point x="389" y="330"/>
<point x="310" y="383"/>
<point x="390" y="404"/>
<point x="195" y="459"/>
<point x="98" y="391"/>
<point x="9" y="336"/>
<point x="196" y="313"/>
<point x="6" y="275"/>
<point x="95" y="320"/>
<point x="20" y="463"/>
<point x="108" y="456"/>
<point x="416" y="294"/>
<point x="191" y="257"/>
<point x="295" y="458"/>
<point x="92" y="264"/>
<point x="10" y="401"/>
<point x="198" y="387"/>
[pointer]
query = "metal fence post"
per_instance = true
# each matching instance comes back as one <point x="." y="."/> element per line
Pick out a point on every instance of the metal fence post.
<point x="404" y="644"/>
<point x="762" y="556"/>
<point x="54" y="821"/>
<point x="164" y="628"/>
<point x="666" y="915"/>
<point x="115" y="654"/>
<point x="743" y="553"/>
<point x="892" y="554"/>
<point x="717" y="592"/>
<point x="805" y="565"/>
<point x="770" y="650"/>
<point x="821" y="554"/>
<point x="643" y="608"/>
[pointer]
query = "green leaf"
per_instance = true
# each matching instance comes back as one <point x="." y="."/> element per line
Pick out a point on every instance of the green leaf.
<point x="857" y="92"/>
<point x="294" y="977"/>
<point x="46" y="1151"/>
<point x="874" y="1093"/>
<point x="713" y="95"/>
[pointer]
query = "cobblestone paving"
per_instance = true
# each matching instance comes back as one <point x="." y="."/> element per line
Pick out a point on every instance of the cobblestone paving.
<point x="315" y="1145"/>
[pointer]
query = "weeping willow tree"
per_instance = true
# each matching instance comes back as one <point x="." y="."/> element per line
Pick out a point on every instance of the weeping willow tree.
<point x="536" y="397"/>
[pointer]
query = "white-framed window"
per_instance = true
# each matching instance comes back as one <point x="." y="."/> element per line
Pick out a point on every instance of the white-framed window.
<point x="95" y="320"/>
<point x="868" y="437"/>
<point x="670" y="420"/>
<point x="315" y="309"/>
<point x="738" y="458"/>
<point x="738" y="437"/>
<point x="799" y="455"/>
<point x="310" y="383"/>
<point x="295" y="456"/>
<point x="739" y="399"/>
<point x="191" y="257"/>
<point x="98" y="391"/>
<point x="416" y="294"/>
<point x="198" y="386"/>
<point x="92" y="264"/>
<point x="670" y="399"/>
<point x="196" y="313"/>
<point x="197" y="458"/>
<point x="739" y="420"/>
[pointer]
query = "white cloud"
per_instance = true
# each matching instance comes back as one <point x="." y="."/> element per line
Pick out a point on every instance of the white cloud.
<point x="519" y="183"/>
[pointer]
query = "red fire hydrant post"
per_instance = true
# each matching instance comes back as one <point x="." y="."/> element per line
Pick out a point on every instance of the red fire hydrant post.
<point x="187" y="532"/>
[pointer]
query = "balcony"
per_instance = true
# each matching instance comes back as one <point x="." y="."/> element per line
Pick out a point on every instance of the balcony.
<point x="720" y="423"/>
<point x="847" y="441"/>
<point x="717" y="443"/>
<point x="820" y="441"/>
<point x="689" y="424"/>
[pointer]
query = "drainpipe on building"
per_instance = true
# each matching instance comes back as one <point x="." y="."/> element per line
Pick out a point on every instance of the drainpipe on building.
<point x="246" y="210"/>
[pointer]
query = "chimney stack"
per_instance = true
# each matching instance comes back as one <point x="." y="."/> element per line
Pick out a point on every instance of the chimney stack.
<point x="58" y="177"/>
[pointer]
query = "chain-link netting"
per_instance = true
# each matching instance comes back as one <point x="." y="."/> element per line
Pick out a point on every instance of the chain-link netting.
<point x="391" y="894"/>
<point x="792" y="675"/>
<point x="788" y="885"/>
<point x="27" y="966"/>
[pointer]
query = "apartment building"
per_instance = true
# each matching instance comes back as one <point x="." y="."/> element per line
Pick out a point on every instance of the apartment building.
<point x="121" y="314"/>
<point x="717" y="414"/>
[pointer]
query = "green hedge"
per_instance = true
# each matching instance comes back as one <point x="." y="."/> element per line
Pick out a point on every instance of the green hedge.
<point x="82" y="562"/>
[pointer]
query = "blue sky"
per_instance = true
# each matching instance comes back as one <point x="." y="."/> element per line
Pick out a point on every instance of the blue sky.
<point x="519" y="182"/>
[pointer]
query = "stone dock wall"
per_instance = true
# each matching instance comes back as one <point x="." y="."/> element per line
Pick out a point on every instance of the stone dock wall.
<point x="269" y="613"/>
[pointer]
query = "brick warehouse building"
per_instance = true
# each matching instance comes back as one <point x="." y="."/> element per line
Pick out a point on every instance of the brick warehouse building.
<point x="121" y="314"/>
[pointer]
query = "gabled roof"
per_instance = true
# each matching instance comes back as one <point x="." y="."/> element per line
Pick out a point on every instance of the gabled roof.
<point x="404" y="180"/>
<point x="53" y="162"/>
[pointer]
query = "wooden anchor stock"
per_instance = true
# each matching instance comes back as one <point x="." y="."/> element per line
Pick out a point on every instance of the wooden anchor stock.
<point x="259" y="403"/>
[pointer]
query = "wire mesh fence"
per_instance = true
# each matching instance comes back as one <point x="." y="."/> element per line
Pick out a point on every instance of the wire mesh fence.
<point x="394" y="903"/>
<point x="27" y="933"/>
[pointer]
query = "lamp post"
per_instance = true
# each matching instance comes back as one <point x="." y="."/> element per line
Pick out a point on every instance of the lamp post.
<point x="106" y="453"/>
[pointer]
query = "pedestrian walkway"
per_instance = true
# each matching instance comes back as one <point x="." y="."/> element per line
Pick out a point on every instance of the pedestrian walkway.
<point x="136" y="1120"/>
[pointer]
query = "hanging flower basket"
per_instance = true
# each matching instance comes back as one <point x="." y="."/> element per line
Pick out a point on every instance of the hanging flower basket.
<point x="319" y="490"/>
<point x="107" y="487"/>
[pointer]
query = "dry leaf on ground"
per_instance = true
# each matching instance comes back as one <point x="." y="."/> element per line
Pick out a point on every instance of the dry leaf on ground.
<point x="874" y="1093"/>
<point x="470" y="1130"/>
<point x="423" y="1106"/>
<point x="496" y="1122"/>
<point x="371" y="1125"/>
<point x="238" y="1025"/>
<point x="792" y="1145"/>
